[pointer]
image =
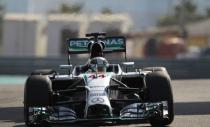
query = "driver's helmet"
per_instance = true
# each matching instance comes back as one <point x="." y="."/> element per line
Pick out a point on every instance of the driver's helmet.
<point x="98" y="64"/>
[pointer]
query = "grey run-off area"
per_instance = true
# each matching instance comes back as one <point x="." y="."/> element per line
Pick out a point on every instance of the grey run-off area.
<point x="192" y="104"/>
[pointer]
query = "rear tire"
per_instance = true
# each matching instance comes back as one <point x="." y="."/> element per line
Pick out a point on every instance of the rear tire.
<point x="37" y="93"/>
<point x="158" y="84"/>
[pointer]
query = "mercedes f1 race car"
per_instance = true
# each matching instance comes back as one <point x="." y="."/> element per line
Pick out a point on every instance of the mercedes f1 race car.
<point x="98" y="92"/>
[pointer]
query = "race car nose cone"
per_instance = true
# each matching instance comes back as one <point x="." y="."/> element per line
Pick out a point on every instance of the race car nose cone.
<point x="98" y="111"/>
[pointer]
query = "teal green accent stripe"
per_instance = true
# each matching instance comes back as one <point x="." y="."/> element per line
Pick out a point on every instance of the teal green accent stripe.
<point x="12" y="80"/>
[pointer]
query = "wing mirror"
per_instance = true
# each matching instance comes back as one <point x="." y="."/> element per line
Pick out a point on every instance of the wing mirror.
<point x="65" y="66"/>
<point x="69" y="67"/>
<point x="127" y="65"/>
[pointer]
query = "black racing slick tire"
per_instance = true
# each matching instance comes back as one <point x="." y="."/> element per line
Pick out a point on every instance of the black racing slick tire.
<point x="157" y="69"/>
<point x="154" y="69"/>
<point x="158" y="84"/>
<point x="37" y="93"/>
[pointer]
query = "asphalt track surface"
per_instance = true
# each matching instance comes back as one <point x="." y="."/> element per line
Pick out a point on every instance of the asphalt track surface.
<point x="192" y="104"/>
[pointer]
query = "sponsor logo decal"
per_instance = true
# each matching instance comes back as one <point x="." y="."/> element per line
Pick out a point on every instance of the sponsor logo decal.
<point x="97" y="94"/>
<point x="111" y="43"/>
<point x="97" y="100"/>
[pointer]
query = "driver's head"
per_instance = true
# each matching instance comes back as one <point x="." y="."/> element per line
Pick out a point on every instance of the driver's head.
<point x="96" y="49"/>
<point x="99" y="64"/>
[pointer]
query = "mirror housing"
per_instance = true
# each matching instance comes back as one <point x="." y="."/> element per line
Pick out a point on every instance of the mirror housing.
<point x="68" y="67"/>
<point x="65" y="66"/>
<point x="128" y="64"/>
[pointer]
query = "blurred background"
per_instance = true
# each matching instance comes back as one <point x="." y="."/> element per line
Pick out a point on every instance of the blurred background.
<point x="171" y="33"/>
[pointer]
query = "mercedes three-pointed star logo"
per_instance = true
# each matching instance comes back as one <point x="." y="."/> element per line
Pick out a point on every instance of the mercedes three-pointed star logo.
<point x="97" y="100"/>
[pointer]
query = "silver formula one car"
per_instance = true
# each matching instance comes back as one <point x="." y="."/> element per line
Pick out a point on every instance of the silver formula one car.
<point x="98" y="92"/>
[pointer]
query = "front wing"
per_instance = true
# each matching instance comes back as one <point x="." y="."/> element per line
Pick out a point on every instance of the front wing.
<point x="133" y="113"/>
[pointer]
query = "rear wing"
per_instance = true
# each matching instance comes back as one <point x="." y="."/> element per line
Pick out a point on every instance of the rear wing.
<point x="112" y="44"/>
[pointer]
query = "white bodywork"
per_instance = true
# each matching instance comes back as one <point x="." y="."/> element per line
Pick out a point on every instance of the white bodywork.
<point x="96" y="85"/>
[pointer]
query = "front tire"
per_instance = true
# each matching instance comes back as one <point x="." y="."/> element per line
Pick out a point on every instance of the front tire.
<point x="158" y="84"/>
<point x="37" y="93"/>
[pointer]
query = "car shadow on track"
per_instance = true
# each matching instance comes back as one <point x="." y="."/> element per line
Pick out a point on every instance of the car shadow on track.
<point x="192" y="108"/>
<point x="15" y="114"/>
<point x="11" y="114"/>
